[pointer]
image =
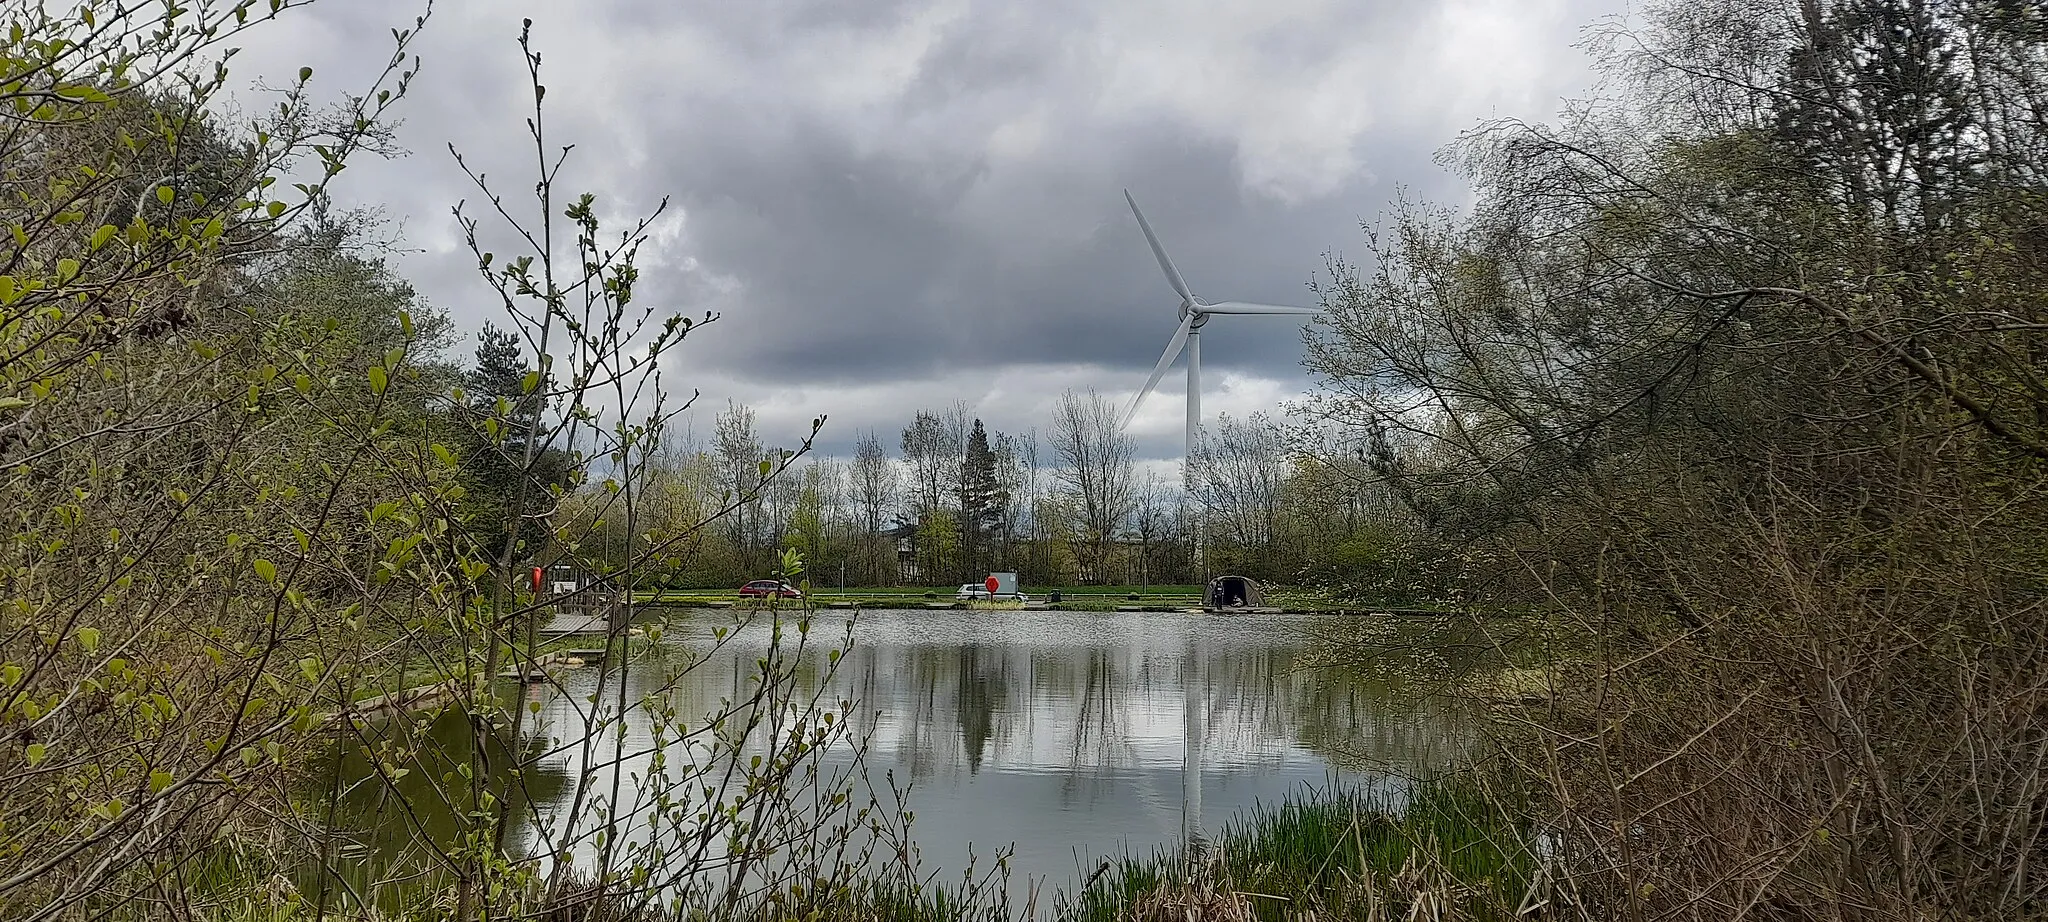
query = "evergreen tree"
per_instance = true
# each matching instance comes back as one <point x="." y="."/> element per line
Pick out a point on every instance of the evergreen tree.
<point x="500" y="365"/>
<point x="497" y="463"/>
<point x="983" y="498"/>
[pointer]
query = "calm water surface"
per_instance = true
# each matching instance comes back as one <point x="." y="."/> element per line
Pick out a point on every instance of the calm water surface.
<point x="1060" y="735"/>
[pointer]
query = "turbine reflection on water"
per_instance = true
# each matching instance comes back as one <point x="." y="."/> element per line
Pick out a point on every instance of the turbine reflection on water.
<point x="1064" y="733"/>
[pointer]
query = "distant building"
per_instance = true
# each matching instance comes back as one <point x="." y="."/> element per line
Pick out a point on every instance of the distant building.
<point x="563" y="579"/>
<point x="904" y="534"/>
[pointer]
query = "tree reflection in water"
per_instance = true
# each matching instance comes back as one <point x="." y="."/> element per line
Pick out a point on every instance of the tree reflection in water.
<point x="1061" y="733"/>
<point x="400" y="820"/>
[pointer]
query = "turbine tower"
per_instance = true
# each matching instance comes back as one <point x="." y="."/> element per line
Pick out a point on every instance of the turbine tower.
<point x="1194" y="313"/>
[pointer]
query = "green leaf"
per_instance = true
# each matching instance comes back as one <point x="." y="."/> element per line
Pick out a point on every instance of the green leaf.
<point x="275" y="208"/>
<point x="166" y="194"/>
<point x="378" y="379"/>
<point x="158" y="780"/>
<point x="104" y="234"/>
<point x="766" y="466"/>
<point x="67" y="269"/>
<point x="530" y="382"/>
<point x="36" y="752"/>
<point x="305" y="74"/>
<point x="265" y="570"/>
<point x="89" y="638"/>
<point x="310" y="668"/>
<point x="250" y="756"/>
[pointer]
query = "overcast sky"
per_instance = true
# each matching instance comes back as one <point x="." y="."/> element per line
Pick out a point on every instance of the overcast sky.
<point x="895" y="204"/>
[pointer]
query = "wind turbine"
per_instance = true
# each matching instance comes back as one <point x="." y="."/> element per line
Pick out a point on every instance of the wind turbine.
<point x="1194" y="314"/>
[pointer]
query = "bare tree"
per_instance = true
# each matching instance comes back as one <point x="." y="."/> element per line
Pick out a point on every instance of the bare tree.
<point x="1028" y="468"/>
<point x="739" y="464"/>
<point x="779" y="500"/>
<point x="933" y="446"/>
<point x="874" y="489"/>
<point x="1096" y="466"/>
<point x="1010" y="480"/>
<point x="955" y="425"/>
<point x="924" y="451"/>
<point x="1238" y="473"/>
<point x="1151" y="520"/>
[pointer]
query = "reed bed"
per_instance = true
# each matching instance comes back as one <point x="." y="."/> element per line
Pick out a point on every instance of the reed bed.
<point x="1434" y="850"/>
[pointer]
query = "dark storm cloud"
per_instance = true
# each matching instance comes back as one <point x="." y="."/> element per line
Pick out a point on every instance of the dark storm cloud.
<point x="861" y="267"/>
<point x="899" y="259"/>
<point x="879" y="194"/>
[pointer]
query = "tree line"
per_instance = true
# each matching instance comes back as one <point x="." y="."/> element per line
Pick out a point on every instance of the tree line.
<point x="946" y="500"/>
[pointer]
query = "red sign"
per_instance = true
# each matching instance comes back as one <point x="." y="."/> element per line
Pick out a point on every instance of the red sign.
<point x="991" y="584"/>
<point x="536" y="579"/>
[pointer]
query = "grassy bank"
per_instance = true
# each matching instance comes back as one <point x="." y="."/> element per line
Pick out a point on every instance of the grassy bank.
<point x="1345" y="854"/>
<point x="419" y="670"/>
<point x="1085" y="598"/>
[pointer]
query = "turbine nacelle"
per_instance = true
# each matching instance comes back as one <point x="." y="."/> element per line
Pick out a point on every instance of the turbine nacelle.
<point x="1194" y="314"/>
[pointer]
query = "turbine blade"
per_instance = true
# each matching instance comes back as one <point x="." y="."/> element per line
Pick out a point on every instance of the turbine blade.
<point x="1246" y="307"/>
<point x="1172" y="274"/>
<point x="1173" y="347"/>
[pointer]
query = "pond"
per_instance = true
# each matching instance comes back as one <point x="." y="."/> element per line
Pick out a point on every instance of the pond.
<point x="1061" y="737"/>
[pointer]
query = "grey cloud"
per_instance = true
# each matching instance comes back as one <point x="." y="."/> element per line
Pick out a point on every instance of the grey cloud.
<point x="862" y="267"/>
<point x="959" y="220"/>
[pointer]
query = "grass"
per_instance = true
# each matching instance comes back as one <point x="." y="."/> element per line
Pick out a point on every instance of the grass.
<point x="1349" y="854"/>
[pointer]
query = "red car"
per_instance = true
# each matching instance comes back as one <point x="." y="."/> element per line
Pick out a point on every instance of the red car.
<point x="768" y="588"/>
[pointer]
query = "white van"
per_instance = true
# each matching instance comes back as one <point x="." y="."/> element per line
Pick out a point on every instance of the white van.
<point x="972" y="591"/>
